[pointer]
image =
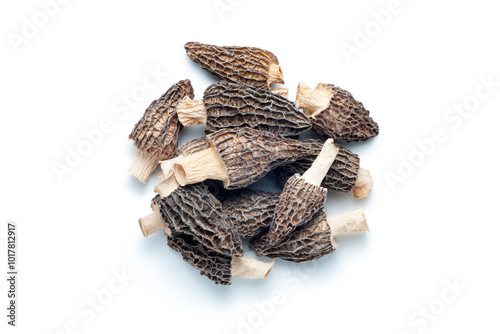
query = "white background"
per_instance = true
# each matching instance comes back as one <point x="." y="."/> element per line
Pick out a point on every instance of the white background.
<point x="438" y="224"/>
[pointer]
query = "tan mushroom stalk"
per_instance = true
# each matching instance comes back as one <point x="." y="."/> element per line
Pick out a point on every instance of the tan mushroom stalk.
<point x="156" y="134"/>
<point x="230" y="105"/>
<point x="238" y="157"/>
<point x="252" y="66"/>
<point x="302" y="196"/>
<point x="335" y="113"/>
<point x="314" y="239"/>
<point x="283" y="92"/>
<point x="344" y="174"/>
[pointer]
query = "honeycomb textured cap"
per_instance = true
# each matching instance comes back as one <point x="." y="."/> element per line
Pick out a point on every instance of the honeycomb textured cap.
<point x="157" y="132"/>
<point x="248" y="65"/>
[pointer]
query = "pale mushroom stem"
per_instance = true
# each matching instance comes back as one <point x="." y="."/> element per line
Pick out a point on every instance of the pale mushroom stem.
<point x="191" y="112"/>
<point x="363" y="184"/>
<point x="321" y="165"/>
<point x="143" y="166"/>
<point x="275" y="74"/>
<point x="167" y="166"/>
<point x="166" y="186"/>
<point x="152" y="223"/>
<point x="201" y="166"/>
<point x="351" y="222"/>
<point x="250" y="268"/>
<point x="313" y="100"/>
<point x="283" y="92"/>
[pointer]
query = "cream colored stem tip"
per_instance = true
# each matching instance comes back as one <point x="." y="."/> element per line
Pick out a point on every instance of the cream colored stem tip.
<point x="363" y="185"/>
<point x="321" y="165"/>
<point x="152" y="223"/>
<point x="250" y="268"/>
<point x="191" y="112"/>
<point x="283" y="92"/>
<point x="201" y="166"/>
<point x="143" y="166"/>
<point x="351" y="222"/>
<point x="167" y="166"/>
<point x="313" y="101"/>
<point x="275" y="74"/>
<point x="167" y="186"/>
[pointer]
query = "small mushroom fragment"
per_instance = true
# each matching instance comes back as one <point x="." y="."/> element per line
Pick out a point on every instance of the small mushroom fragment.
<point x="251" y="211"/>
<point x="156" y="134"/>
<point x="302" y="196"/>
<point x="335" y="113"/>
<point x="217" y="267"/>
<point x="231" y="105"/>
<point x="195" y="211"/>
<point x="238" y="157"/>
<point x="247" y="65"/>
<point x="344" y="174"/>
<point x="314" y="239"/>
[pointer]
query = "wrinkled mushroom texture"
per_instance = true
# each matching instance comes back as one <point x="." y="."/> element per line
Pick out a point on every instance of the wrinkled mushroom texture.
<point x="247" y="65"/>
<point x="344" y="118"/>
<point x="308" y="242"/>
<point x="230" y="105"/>
<point x="251" y="211"/>
<point x="249" y="154"/>
<point x="342" y="175"/>
<point x="193" y="146"/>
<point x="297" y="204"/>
<point x="215" y="266"/>
<point x="157" y="132"/>
<point x="195" y="211"/>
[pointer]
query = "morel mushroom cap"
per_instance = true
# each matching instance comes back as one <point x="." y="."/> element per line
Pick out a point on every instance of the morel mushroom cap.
<point x="335" y="113"/>
<point x="217" y="267"/>
<point x="344" y="174"/>
<point x="238" y="157"/>
<point x="195" y="211"/>
<point x="247" y="65"/>
<point x="251" y="211"/>
<point x="231" y="105"/>
<point x="156" y="134"/>
<point x="302" y="196"/>
<point x="314" y="239"/>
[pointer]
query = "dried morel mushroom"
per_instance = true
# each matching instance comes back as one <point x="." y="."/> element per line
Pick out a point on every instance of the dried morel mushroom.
<point x="230" y="105"/>
<point x="335" y="113"/>
<point x="302" y="196"/>
<point x="156" y="134"/>
<point x="247" y="65"/>
<point x="251" y="211"/>
<point x="344" y="174"/>
<point x="313" y="239"/>
<point x="195" y="211"/>
<point x="217" y="267"/>
<point x="238" y="157"/>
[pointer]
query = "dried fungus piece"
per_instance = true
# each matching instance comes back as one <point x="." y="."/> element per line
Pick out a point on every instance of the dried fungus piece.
<point x="217" y="267"/>
<point x="230" y="105"/>
<point x="344" y="174"/>
<point x="247" y="65"/>
<point x="193" y="210"/>
<point x="238" y="157"/>
<point x="335" y="113"/>
<point x="302" y="196"/>
<point x="313" y="239"/>
<point x="251" y="211"/>
<point x="156" y="134"/>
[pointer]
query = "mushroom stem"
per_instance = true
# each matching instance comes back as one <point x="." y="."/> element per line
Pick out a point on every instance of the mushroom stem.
<point x="200" y="166"/>
<point x="152" y="223"/>
<point x="143" y="166"/>
<point x="351" y="222"/>
<point x="250" y="268"/>
<point x="313" y="100"/>
<point x="363" y="184"/>
<point x="191" y="112"/>
<point x="321" y="165"/>
<point x="283" y="92"/>
<point x="167" y="166"/>
<point x="275" y="74"/>
<point x="166" y="186"/>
